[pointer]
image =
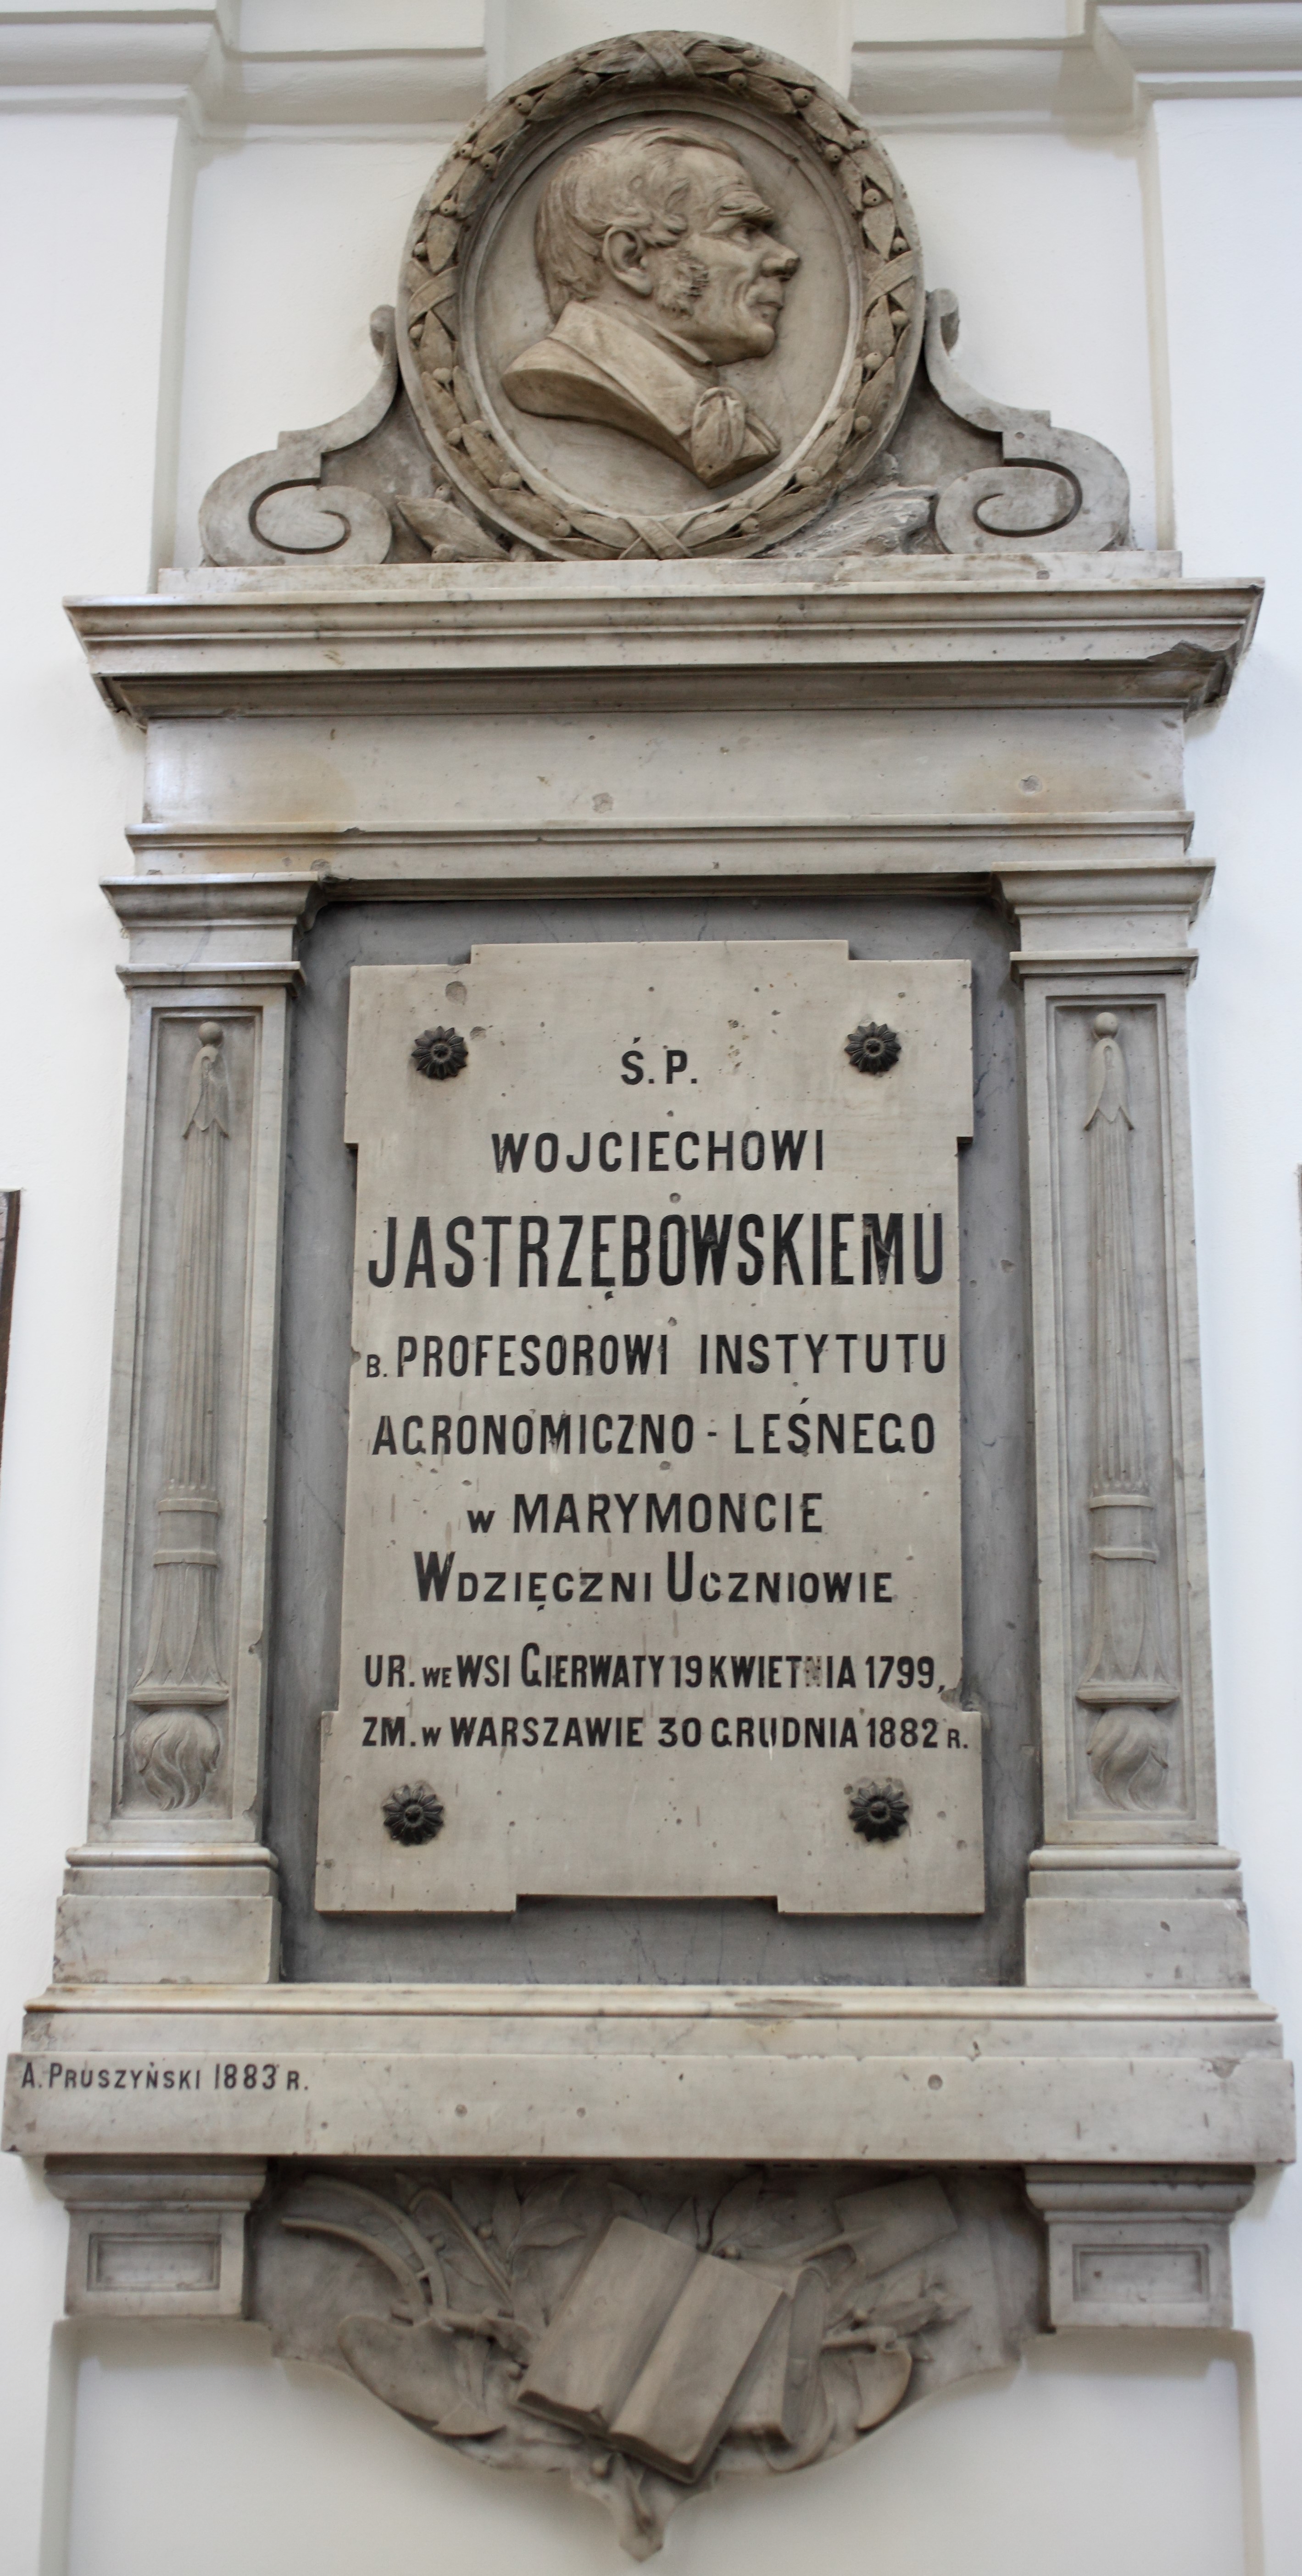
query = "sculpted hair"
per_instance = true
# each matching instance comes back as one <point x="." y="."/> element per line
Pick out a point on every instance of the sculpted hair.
<point x="635" y="181"/>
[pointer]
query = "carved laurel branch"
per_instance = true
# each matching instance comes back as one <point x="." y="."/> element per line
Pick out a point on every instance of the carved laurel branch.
<point x="429" y="306"/>
<point x="1055" y="487"/>
<point x="477" y="2268"/>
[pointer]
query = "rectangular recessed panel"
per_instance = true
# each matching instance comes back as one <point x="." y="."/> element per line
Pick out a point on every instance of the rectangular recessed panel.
<point x="1146" y="2275"/>
<point x="147" y="2263"/>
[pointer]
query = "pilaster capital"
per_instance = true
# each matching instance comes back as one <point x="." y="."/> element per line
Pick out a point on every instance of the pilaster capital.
<point x="199" y="933"/>
<point x="1088" y="918"/>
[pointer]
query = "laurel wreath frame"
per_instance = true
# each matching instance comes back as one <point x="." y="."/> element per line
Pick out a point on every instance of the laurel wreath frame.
<point x="715" y="71"/>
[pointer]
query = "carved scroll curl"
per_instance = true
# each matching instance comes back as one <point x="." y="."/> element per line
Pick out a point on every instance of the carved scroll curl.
<point x="1055" y="487"/>
<point x="274" y="508"/>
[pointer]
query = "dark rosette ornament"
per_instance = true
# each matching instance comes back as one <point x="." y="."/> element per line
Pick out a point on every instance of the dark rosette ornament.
<point x="873" y="1048"/>
<point x="879" y="1809"/>
<point x="440" y="1054"/>
<point x="414" y="1814"/>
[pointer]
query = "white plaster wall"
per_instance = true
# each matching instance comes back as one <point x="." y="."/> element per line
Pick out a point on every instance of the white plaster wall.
<point x="1234" y="451"/>
<point x="168" y="307"/>
<point x="84" y="217"/>
<point x="520" y="33"/>
<point x="975" y="2484"/>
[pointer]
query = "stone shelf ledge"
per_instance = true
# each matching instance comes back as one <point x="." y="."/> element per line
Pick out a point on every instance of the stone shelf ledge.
<point x="1082" y="631"/>
<point x="962" y="2076"/>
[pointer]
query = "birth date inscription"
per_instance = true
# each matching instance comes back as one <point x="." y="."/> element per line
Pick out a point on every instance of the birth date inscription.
<point x="653" y="1513"/>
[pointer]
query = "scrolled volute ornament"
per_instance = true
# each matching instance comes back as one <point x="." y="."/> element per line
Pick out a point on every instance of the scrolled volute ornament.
<point x="1055" y="488"/>
<point x="274" y="508"/>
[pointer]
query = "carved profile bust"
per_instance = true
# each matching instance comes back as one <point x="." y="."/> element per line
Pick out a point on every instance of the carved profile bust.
<point x="661" y="265"/>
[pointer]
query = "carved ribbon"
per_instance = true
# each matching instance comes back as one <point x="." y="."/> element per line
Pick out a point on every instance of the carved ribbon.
<point x="1123" y="1679"/>
<point x="1054" y="487"/>
<point x="176" y="1745"/>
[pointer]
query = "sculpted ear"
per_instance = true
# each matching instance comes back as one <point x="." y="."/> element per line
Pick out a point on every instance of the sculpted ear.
<point x="623" y="253"/>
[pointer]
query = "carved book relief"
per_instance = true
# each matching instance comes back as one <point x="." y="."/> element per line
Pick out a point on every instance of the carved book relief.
<point x="646" y="2330"/>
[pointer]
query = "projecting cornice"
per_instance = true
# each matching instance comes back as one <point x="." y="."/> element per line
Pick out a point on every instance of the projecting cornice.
<point x="1031" y="631"/>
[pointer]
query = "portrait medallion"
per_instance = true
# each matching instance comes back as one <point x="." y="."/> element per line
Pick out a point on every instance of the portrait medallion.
<point x="665" y="298"/>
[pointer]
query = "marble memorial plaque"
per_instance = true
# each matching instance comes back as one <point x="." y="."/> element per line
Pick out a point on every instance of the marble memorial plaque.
<point x="652" y="1554"/>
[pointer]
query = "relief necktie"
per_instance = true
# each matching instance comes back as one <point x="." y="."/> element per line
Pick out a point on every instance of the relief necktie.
<point x="721" y="431"/>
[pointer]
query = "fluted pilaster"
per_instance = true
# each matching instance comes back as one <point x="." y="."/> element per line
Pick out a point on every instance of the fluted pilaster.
<point x="177" y="1743"/>
<point x="1128" y="1748"/>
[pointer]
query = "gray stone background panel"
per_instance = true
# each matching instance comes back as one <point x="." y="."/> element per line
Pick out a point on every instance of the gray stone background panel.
<point x="671" y="1943"/>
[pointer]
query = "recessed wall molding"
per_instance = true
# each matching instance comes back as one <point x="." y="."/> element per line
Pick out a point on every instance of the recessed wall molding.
<point x="148" y="59"/>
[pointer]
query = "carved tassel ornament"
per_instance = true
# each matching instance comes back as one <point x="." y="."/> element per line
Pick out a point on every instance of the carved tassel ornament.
<point x="177" y="1743"/>
<point x="1128" y="1747"/>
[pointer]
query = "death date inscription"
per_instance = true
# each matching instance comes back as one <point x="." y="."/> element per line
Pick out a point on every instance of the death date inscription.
<point x="652" y="1545"/>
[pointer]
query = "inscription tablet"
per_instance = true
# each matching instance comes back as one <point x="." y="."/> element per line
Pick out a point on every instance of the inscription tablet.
<point x="652" y="1553"/>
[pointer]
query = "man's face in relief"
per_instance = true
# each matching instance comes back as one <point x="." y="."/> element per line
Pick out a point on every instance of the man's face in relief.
<point x="717" y="289"/>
